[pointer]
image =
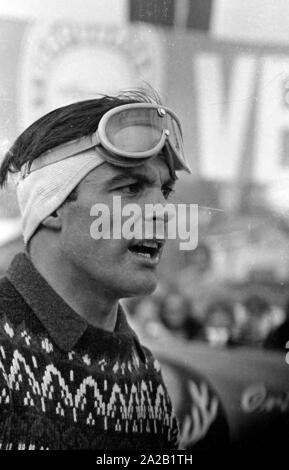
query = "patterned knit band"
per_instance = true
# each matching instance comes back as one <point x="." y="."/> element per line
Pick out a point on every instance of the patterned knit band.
<point x="41" y="192"/>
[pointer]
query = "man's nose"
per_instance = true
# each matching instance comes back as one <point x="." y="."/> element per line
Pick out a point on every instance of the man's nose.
<point x="159" y="210"/>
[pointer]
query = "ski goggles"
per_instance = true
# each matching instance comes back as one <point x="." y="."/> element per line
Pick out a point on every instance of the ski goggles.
<point x="130" y="134"/>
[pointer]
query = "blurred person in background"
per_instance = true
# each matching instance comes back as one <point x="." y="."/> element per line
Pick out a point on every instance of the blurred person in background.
<point x="259" y="321"/>
<point x="177" y="316"/>
<point x="220" y="323"/>
<point x="69" y="360"/>
<point x="197" y="278"/>
<point x="278" y="337"/>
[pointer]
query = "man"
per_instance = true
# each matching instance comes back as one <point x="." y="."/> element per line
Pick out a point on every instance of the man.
<point x="73" y="374"/>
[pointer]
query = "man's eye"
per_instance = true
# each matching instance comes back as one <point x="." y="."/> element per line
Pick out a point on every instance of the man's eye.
<point x="167" y="191"/>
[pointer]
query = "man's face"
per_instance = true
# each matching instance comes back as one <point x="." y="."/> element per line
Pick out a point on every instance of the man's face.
<point x="116" y="266"/>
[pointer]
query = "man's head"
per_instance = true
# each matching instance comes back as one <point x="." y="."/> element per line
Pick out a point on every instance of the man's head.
<point x="58" y="187"/>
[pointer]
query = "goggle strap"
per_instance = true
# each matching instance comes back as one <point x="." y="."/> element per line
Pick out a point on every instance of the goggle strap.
<point x="62" y="152"/>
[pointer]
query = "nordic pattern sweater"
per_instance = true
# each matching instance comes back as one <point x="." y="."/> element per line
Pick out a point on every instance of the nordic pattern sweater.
<point x="65" y="384"/>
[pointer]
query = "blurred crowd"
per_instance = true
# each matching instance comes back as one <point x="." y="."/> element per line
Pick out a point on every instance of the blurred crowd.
<point x="223" y="322"/>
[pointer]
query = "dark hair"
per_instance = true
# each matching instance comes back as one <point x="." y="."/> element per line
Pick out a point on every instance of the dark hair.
<point x="257" y="305"/>
<point x="62" y="125"/>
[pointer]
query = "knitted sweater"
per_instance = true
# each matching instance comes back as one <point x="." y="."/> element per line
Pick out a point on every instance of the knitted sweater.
<point x="65" y="384"/>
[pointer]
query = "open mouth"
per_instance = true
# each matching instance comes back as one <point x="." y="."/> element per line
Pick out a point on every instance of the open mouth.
<point x="149" y="249"/>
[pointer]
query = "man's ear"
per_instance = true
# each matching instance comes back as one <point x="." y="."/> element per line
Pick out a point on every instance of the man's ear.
<point x="53" y="221"/>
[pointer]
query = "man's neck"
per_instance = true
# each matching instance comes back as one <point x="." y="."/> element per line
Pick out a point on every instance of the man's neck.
<point x="82" y="295"/>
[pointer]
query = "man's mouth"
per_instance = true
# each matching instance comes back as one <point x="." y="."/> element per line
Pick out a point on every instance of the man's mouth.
<point x="148" y="249"/>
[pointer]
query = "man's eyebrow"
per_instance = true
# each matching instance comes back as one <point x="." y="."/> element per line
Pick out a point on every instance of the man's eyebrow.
<point x="130" y="175"/>
<point x="136" y="175"/>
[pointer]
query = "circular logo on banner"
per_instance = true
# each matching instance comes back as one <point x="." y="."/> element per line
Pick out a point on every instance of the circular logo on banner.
<point x="65" y="62"/>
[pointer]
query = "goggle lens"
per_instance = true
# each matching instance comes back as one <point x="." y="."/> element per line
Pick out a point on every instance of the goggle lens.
<point x="141" y="129"/>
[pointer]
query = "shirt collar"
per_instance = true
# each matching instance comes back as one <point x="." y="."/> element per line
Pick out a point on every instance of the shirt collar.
<point x="62" y="323"/>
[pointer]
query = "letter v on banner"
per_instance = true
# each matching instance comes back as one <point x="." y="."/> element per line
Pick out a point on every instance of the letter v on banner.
<point x="272" y="122"/>
<point x="223" y="114"/>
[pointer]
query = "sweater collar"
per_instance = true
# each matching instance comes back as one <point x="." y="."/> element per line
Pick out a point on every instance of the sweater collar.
<point x="62" y="323"/>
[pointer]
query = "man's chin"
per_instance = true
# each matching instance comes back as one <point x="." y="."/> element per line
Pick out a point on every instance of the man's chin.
<point x="144" y="285"/>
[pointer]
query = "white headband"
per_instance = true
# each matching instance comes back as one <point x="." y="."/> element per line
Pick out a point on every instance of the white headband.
<point x="43" y="190"/>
